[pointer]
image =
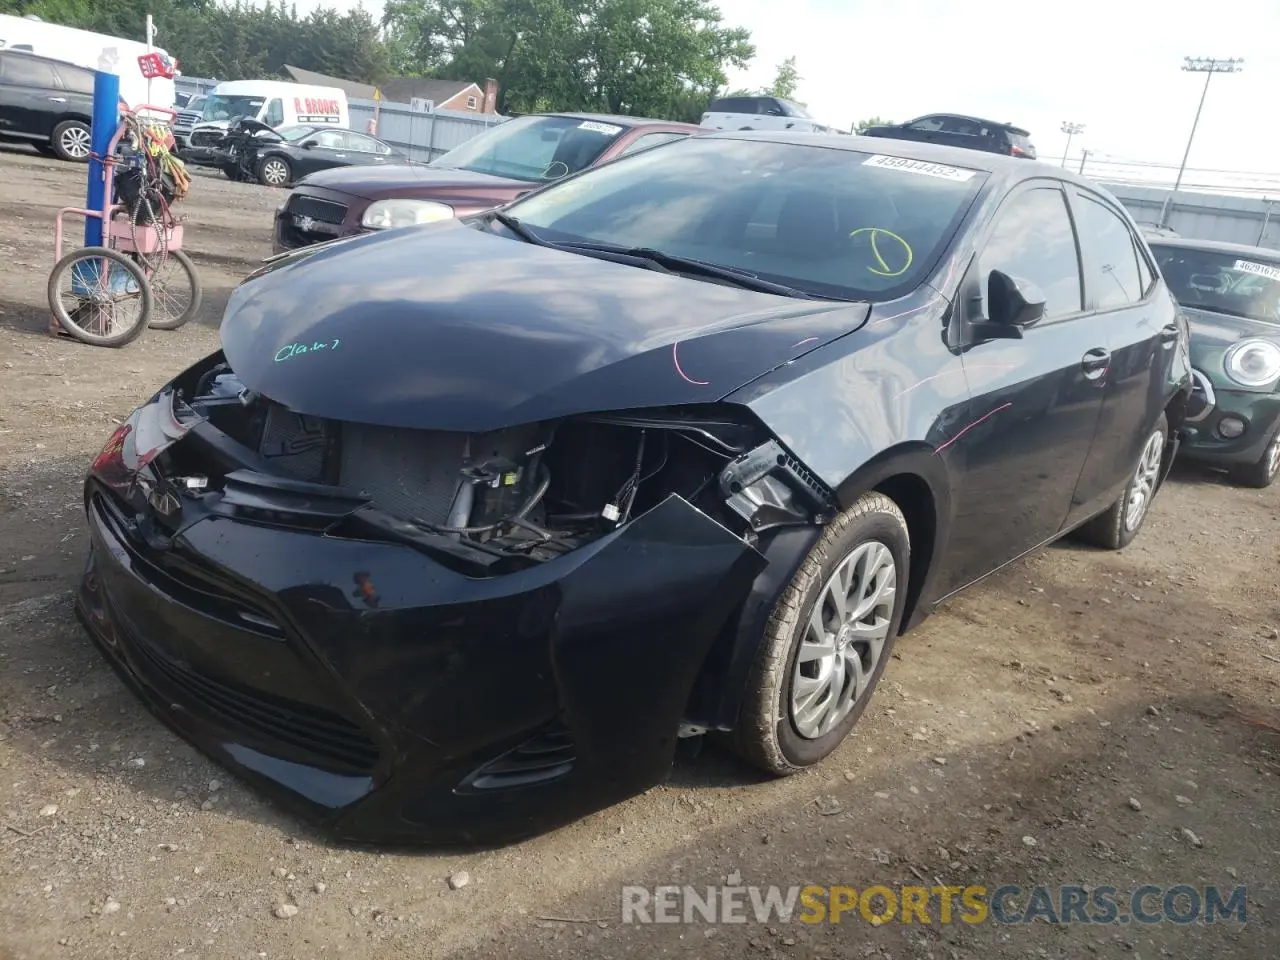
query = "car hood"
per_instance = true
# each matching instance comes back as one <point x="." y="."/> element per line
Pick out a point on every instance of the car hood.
<point x="449" y="327"/>
<point x="406" y="180"/>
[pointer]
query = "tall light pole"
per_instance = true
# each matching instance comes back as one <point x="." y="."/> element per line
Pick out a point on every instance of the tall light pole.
<point x="1070" y="129"/>
<point x="1208" y="66"/>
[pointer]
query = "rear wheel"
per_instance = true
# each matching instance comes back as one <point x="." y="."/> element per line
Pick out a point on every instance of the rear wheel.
<point x="827" y="641"/>
<point x="274" y="172"/>
<point x="176" y="291"/>
<point x="71" y="141"/>
<point x="1264" y="472"/>
<point x="1116" y="527"/>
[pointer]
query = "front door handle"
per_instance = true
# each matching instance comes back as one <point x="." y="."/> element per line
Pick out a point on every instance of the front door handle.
<point x="58" y="99"/>
<point x="1095" y="362"/>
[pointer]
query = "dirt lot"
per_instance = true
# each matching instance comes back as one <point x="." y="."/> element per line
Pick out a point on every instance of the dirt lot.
<point x="1083" y="718"/>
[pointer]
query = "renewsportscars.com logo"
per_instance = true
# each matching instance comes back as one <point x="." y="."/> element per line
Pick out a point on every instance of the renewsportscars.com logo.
<point x="878" y="904"/>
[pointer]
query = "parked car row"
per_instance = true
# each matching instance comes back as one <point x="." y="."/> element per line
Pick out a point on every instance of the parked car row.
<point x="471" y="520"/>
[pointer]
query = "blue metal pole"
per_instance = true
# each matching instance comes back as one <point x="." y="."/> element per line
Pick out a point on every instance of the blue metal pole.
<point x="106" y="117"/>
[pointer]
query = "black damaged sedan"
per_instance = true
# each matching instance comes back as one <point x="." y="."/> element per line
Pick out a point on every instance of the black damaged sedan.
<point x="468" y="524"/>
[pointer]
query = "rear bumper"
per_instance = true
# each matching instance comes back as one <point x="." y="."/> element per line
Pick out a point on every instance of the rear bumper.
<point x="382" y="695"/>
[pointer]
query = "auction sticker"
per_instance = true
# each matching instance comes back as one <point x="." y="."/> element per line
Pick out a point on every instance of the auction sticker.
<point x="939" y="170"/>
<point x="596" y="127"/>
<point x="1261" y="269"/>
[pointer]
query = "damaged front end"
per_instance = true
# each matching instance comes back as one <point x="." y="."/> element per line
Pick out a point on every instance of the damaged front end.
<point x="419" y="634"/>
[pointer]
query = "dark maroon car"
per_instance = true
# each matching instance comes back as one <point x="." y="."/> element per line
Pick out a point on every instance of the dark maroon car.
<point x="488" y="170"/>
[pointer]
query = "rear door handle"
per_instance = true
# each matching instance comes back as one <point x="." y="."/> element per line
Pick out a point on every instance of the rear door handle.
<point x="58" y="99"/>
<point x="1169" y="334"/>
<point x="1095" y="363"/>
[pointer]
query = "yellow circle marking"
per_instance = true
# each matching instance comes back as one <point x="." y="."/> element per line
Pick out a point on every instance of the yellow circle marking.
<point x="876" y="233"/>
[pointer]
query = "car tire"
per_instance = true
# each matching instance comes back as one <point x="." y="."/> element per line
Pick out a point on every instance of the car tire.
<point x="274" y="172"/>
<point x="1265" y="471"/>
<point x="1117" y="526"/>
<point x="800" y="704"/>
<point x="72" y="141"/>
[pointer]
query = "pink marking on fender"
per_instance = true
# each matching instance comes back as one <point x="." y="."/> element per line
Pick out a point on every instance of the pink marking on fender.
<point x="966" y="369"/>
<point x="803" y="342"/>
<point x="972" y="425"/>
<point x="675" y="358"/>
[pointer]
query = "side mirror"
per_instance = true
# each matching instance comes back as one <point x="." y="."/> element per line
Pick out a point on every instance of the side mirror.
<point x="308" y="144"/>
<point x="1012" y="303"/>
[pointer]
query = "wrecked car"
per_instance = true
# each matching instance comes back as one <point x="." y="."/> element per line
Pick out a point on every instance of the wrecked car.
<point x="1231" y="294"/>
<point x="276" y="157"/>
<point x="468" y="524"/>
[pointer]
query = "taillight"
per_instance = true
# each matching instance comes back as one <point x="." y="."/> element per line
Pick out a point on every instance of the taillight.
<point x="1017" y="151"/>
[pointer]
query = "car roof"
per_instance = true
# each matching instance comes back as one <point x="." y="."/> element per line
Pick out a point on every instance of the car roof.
<point x="1011" y="127"/>
<point x="997" y="165"/>
<point x="1214" y="246"/>
<point x="27" y="54"/>
<point x="620" y="121"/>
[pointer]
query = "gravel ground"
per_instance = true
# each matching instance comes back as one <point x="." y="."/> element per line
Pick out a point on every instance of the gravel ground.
<point x="1080" y="718"/>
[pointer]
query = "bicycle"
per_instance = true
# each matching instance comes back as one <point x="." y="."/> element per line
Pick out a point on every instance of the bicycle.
<point x="116" y="290"/>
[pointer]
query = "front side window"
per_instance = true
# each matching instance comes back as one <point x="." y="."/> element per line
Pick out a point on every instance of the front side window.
<point x="1241" y="285"/>
<point x="534" y="148"/>
<point x="330" y="139"/>
<point x="1111" y="258"/>
<point x="793" y="109"/>
<point x="1033" y="241"/>
<point x="27" y="72"/>
<point x="826" y="221"/>
<point x="927" y="124"/>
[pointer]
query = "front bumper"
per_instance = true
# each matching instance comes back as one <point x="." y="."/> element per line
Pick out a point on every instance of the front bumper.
<point x="314" y="215"/>
<point x="391" y="699"/>
<point x="1258" y="411"/>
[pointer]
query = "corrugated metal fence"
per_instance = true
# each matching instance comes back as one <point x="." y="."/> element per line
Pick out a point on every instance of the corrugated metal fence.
<point x="421" y="136"/>
<point x="1206" y="216"/>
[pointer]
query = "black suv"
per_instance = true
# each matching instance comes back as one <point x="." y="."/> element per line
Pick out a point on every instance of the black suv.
<point x="954" y="130"/>
<point x="46" y="103"/>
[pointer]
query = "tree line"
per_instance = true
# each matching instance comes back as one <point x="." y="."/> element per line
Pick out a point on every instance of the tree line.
<point x="658" y="58"/>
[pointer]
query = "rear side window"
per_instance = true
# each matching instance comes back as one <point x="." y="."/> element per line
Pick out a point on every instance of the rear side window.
<point x="734" y="105"/>
<point x="26" y="71"/>
<point x="1111" y="258"/>
<point x="76" y="80"/>
<point x="1033" y="241"/>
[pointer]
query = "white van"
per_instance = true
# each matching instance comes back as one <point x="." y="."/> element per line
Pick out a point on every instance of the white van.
<point x="276" y="103"/>
<point x="84" y="48"/>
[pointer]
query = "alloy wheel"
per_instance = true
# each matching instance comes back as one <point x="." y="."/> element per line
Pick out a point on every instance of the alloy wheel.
<point x="1273" y="457"/>
<point x="275" y="173"/>
<point x="1144" y="481"/>
<point x="75" y="143"/>
<point x="843" y="640"/>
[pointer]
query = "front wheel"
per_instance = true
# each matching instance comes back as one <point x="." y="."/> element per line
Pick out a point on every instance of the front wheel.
<point x="827" y="641"/>
<point x="100" y="297"/>
<point x="1264" y="472"/>
<point x="176" y="290"/>
<point x="72" y="141"/>
<point x="1115" y="528"/>
<point x="274" y="172"/>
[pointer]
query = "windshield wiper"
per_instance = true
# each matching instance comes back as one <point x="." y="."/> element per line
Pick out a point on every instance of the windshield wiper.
<point x="519" y="229"/>
<point x="671" y="263"/>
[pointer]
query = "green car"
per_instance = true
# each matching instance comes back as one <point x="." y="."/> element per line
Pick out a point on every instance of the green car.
<point x="1230" y="293"/>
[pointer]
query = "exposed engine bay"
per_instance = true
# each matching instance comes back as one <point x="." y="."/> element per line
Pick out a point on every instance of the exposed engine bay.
<point x="504" y="499"/>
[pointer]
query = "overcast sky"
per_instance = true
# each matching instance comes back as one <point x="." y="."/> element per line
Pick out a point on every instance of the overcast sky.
<point x="1113" y="65"/>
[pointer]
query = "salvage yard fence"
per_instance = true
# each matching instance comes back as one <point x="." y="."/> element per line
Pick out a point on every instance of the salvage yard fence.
<point x="420" y="136"/>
